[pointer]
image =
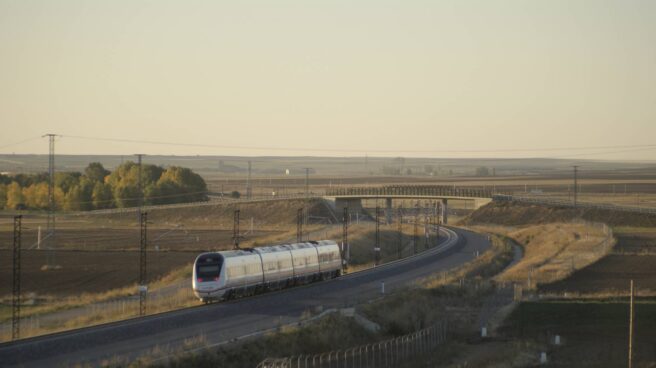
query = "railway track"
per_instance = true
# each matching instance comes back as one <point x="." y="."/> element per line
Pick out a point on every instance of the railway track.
<point x="223" y="322"/>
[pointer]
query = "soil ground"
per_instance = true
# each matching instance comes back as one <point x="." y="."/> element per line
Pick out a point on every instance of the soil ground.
<point x="594" y="334"/>
<point x="517" y="214"/>
<point x="611" y="274"/>
<point x="89" y="239"/>
<point x="633" y="258"/>
<point x="90" y="272"/>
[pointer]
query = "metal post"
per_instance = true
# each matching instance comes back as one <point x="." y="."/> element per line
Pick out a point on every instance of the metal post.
<point x="377" y="245"/>
<point x="400" y="245"/>
<point x="236" y="236"/>
<point x="415" y="236"/>
<point x="345" y="237"/>
<point x="631" y="317"/>
<point x="426" y="231"/>
<point x="299" y="225"/>
<point x="50" y="225"/>
<point x="139" y="186"/>
<point x="249" y="188"/>
<point x="143" y="288"/>
<point x="576" y="186"/>
<point x="16" y="301"/>
<point x="307" y="182"/>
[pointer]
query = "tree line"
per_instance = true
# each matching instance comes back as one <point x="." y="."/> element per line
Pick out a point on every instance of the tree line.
<point x="98" y="188"/>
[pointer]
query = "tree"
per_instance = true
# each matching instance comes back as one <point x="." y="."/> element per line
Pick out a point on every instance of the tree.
<point x="79" y="196"/>
<point x="164" y="192"/>
<point x="126" y="195"/>
<point x="190" y="186"/>
<point x="25" y="180"/>
<point x="3" y="195"/>
<point x="101" y="196"/>
<point x="66" y="180"/>
<point x="15" y="198"/>
<point x="73" y="199"/>
<point x="96" y="172"/>
<point x="36" y="196"/>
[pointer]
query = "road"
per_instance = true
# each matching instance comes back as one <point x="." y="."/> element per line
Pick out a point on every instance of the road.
<point x="222" y="322"/>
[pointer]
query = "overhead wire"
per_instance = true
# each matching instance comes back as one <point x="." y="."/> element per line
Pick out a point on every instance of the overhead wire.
<point x="340" y="150"/>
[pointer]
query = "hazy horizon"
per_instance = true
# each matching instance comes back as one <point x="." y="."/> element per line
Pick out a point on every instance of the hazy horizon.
<point x="449" y="79"/>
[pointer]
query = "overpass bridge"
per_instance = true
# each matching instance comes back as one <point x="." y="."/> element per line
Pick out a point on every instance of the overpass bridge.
<point x="352" y="197"/>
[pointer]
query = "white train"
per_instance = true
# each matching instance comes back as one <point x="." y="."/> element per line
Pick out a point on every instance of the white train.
<point x="234" y="273"/>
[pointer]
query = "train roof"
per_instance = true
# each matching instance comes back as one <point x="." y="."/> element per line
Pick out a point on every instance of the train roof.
<point x="237" y="253"/>
<point x="275" y="248"/>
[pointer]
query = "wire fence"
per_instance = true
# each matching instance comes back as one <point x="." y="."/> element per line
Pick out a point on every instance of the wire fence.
<point x="166" y="298"/>
<point x="388" y="353"/>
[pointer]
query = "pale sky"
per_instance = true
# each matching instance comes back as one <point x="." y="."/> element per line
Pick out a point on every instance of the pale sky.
<point x="413" y="78"/>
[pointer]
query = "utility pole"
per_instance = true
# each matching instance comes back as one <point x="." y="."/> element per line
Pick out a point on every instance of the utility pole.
<point x="235" y="230"/>
<point x="299" y="225"/>
<point x="307" y="183"/>
<point x="345" y="238"/>
<point x="436" y="224"/>
<point x="377" y="245"/>
<point x="427" y="222"/>
<point x="50" y="225"/>
<point x="16" y="300"/>
<point x="631" y="321"/>
<point x="415" y="236"/>
<point x="249" y="188"/>
<point x="576" y="186"/>
<point x="143" y="287"/>
<point x="139" y="186"/>
<point x="400" y="245"/>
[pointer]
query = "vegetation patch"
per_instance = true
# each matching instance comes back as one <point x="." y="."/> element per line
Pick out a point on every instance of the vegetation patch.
<point x="98" y="188"/>
<point x="554" y="251"/>
<point x="518" y="214"/>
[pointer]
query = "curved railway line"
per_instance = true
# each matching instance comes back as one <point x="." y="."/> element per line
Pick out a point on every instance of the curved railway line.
<point x="224" y="322"/>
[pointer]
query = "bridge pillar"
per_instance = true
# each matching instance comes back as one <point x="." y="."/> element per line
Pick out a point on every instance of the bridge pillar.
<point x="388" y="210"/>
<point x="445" y="210"/>
<point x="354" y="205"/>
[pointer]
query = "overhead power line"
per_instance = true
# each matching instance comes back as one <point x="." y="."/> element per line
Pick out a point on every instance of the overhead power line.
<point x="364" y="151"/>
<point x="20" y="142"/>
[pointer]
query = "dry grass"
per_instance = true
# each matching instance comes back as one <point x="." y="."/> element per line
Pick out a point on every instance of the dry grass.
<point x="488" y="264"/>
<point x="49" y="305"/>
<point x="554" y="251"/>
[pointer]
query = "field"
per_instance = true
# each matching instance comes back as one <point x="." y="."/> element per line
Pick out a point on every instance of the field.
<point x="632" y="258"/>
<point x="88" y="272"/>
<point x="594" y="334"/>
<point x="610" y="275"/>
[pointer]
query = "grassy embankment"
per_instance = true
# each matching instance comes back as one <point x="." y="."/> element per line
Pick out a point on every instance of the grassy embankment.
<point x="552" y="252"/>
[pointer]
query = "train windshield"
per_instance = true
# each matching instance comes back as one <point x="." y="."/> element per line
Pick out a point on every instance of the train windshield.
<point x="208" y="268"/>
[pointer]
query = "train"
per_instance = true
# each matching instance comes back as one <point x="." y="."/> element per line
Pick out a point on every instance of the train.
<point x="235" y="273"/>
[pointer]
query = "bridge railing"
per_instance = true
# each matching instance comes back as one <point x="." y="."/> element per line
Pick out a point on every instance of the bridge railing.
<point x="412" y="190"/>
<point x="388" y="353"/>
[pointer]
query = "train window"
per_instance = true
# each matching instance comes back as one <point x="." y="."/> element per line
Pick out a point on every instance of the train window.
<point x="208" y="270"/>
